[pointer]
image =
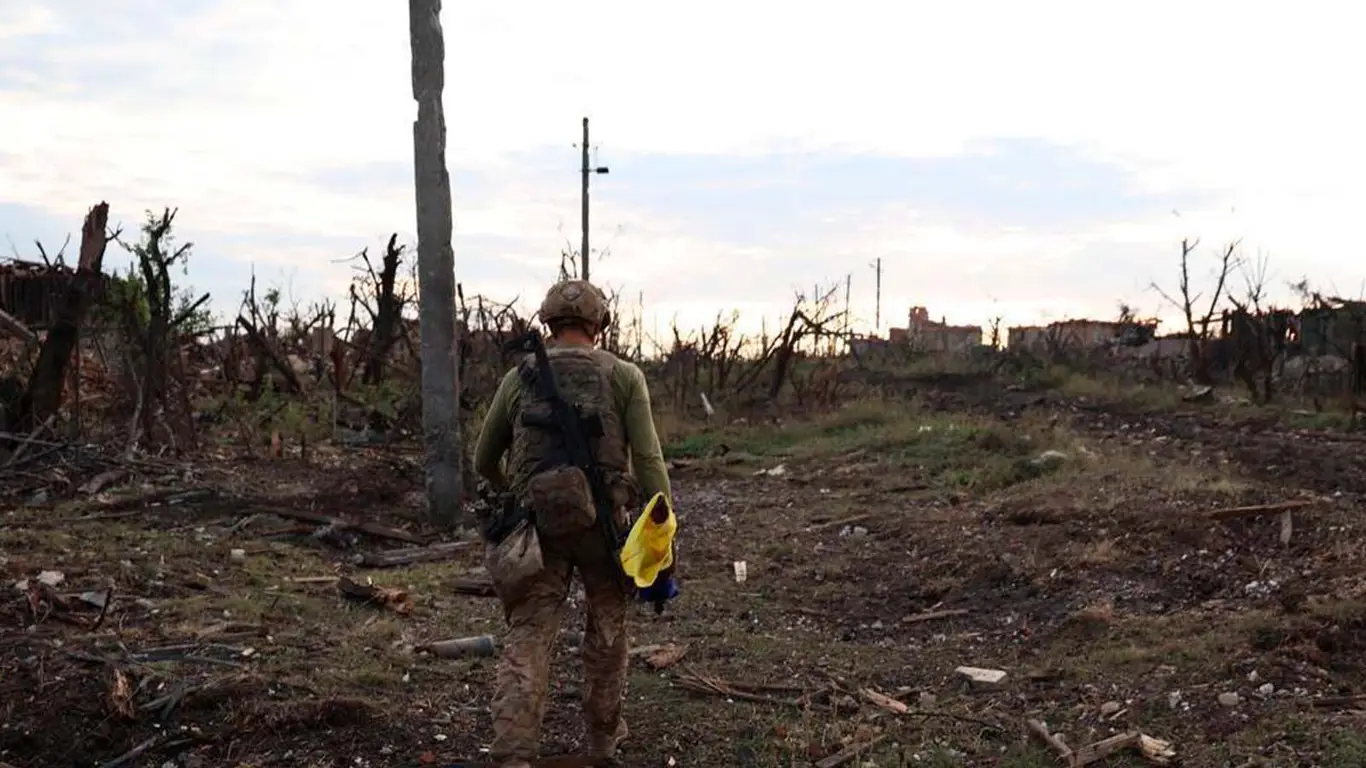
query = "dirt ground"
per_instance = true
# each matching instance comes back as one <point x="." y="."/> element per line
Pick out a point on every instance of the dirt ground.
<point x="1074" y="545"/>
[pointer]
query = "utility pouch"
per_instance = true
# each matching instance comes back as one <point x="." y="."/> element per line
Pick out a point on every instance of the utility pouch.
<point x="514" y="561"/>
<point x="562" y="500"/>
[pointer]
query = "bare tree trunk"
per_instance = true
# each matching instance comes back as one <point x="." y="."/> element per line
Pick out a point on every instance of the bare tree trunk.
<point x="436" y="267"/>
<point x="384" y="332"/>
<point x="43" y="397"/>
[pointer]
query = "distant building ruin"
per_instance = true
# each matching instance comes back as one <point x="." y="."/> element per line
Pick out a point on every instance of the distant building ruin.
<point x="31" y="292"/>
<point x="938" y="336"/>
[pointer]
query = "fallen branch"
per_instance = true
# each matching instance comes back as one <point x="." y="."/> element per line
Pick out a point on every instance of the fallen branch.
<point x="895" y="707"/>
<point x="1104" y="748"/>
<point x="933" y="615"/>
<point x="1052" y="740"/>
<point x="162" y="497"/>
<point x="474" y="587"/>
<point x="396" y="557"/>
<point x="320" y="518"/>
<point x="396" y="600"/>
<point x="1340" y="701"/>
<point x="1260" y="510"/>
<point x="23" y="446"/>
<point x="717" y="687"/>
<point x="835" y="523"/>
<point x="1155" y="750"/>
<point x="134" y="753"/>
<point x="850" y="752"/>
<point x="16" y="328"/>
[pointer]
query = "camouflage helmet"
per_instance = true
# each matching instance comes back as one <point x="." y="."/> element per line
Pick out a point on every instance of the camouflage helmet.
<point x="577" y="300"/>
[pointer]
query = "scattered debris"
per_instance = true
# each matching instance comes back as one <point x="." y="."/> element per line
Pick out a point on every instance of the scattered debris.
<point x="981" y="678"/>
<point x="741" y="571"/>
<point x="478" y="646"/>
<point x="1229" y="699"/>
<point x="836" y="523"/>
<point x="121" y="696"/>
<point x="1052" y="740"/>
<point x="742" y="692"/>
<point x="1201" y="394"/>
<point x="885" y="702"/>
<point x="934" y="615"/>
<point x="659" y="657"/>
<point x="474" y="586"/>
<point x="396" y="600"/>
<point x="1156" y="750"/>
<point x="777" y="471"/>
<point x="313" y="579"/>
<point x="45" y="578"/>
<point x="393" y="558"/>
<point x="1259" y="510"/>
<point x="1340" y="701"/>
<point x="889" y="704"/>
<point x="1049" y="460"/>
<point x="335" y="523"/>
<point x="850" y="752"/>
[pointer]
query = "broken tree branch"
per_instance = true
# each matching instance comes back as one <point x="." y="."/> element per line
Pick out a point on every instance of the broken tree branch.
<point x="16" y="328"/>
<point x="1260" y="510"/>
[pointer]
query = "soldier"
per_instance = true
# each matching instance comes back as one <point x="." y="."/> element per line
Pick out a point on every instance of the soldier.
<point x="631" y="462"/>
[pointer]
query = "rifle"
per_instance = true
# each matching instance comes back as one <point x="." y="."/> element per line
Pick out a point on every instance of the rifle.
<point x="576" y="429"/>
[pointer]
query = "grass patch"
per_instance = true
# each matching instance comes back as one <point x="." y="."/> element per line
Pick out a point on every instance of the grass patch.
<point x="1345" y="748"/>
<point x="1101" y="388"/>
<point x="1137" y="644"/>
<point x="958" y="451"/>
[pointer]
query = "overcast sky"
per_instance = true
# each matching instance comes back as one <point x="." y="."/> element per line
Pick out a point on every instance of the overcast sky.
<point x="1031" y="160"/>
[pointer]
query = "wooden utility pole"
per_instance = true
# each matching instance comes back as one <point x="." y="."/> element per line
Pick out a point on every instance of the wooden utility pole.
<point x="436" y="267"/>
<point x="586" y="170"/>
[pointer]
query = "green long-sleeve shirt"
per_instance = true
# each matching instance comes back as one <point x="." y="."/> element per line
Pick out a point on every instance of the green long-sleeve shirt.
<point x="631" y="395"/>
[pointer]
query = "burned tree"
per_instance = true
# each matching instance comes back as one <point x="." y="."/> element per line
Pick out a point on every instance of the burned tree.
<point x="1257" y="336"/>
<point x="1198" y="326"/>
<point x="42" y="397"/>
<point x="378" y="294"/>
<point x="153" y="323"/>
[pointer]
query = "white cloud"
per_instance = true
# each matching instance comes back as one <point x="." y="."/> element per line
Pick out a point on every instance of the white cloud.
<point x="248" y="99"/>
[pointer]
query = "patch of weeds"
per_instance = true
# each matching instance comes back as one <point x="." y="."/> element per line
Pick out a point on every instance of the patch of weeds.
<point x="1348" y="612"/>
<point x="1335" y="421"/>
<point x="1139" y="642"/>
<point x="1102" y="388"/>
<point x="1028" y="756"/>
<point x="961" y="452"/>
<point x="1345" y="748"/>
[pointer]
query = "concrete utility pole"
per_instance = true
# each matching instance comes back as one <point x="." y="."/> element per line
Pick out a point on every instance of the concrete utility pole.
<point x="877" y="312"/>
<point x="586" y="170"/>
<point x="848" y="283"/>
<point x="436" y="267"/>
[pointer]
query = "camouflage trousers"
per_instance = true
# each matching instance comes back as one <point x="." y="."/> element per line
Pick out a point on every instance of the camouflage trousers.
<point x="534" y="614"/>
